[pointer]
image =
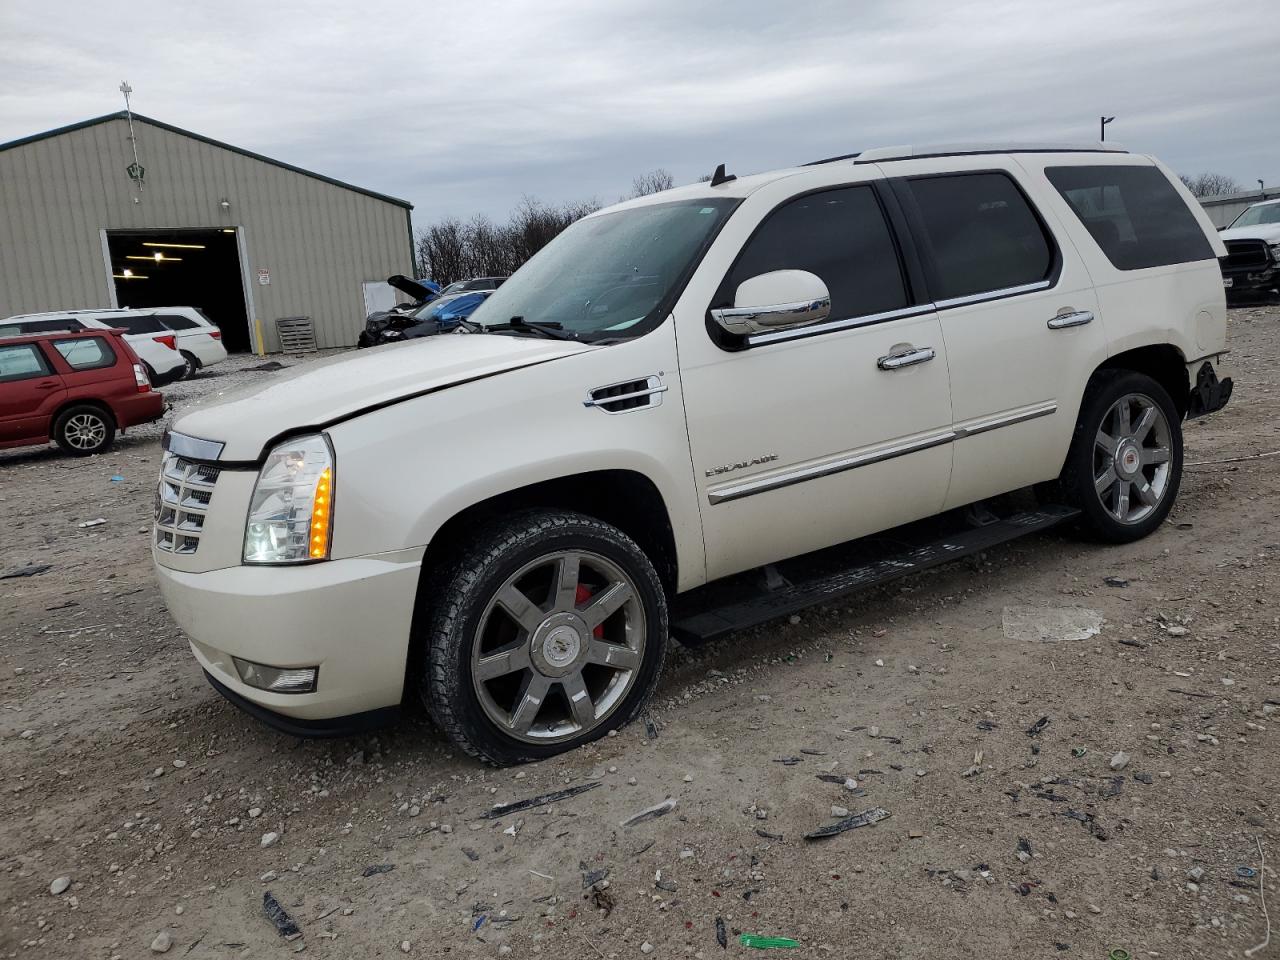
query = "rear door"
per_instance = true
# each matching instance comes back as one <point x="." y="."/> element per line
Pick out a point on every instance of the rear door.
<point x="1018" y="313"/>
<point x="30" y="390"/>
<point x="201" y="341"/>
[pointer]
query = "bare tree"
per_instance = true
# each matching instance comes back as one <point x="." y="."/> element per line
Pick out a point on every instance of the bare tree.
<point x="1211" y="184"/>
<point x="655" y="181"/>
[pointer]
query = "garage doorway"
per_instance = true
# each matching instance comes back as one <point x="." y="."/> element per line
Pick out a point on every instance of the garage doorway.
<point x="183" y="268"/>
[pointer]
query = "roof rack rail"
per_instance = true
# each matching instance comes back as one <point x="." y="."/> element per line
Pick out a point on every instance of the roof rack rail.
<point x="817" y="163"/>
<point x="909" y="152"/>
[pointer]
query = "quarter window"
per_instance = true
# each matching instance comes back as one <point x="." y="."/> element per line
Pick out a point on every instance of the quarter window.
<point x="147" y="324"/>
<point x="983" y="234"/>
<point x="840" y="235"/>
<point x="22" y="361"/>
<point x="89" y="353"/>
<point x="1133" y="213"/>
<point x="174" y="322"/>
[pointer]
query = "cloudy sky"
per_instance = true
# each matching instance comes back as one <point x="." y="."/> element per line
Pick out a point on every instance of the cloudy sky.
<point x="463" y="107"/>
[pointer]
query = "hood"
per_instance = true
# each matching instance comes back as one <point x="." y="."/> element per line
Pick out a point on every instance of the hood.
<point x="1269" y="232"/>
<point x="321" y="393"/>
<point x="414" y="288"/>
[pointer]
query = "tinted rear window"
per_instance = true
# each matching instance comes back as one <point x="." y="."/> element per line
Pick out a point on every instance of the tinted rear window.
<point x="983" y="234"/>
<point x="149" y="324"/>
<point x="174" y="322"/>
<point x="1134" y="214"/>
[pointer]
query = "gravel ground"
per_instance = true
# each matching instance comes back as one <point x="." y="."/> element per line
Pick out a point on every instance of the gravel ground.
<point x="1015" y="830"/>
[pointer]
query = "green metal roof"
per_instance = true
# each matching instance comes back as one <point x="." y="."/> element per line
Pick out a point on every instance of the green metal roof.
<point x="121" y="115"/>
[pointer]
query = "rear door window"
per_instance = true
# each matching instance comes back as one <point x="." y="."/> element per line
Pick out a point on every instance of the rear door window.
<point x="89" y="353"/>
<point x="1134" y="214"/>
<point x="839" y="235"/>
<point x="982" y="232"/>
<point x="22" y="361"/>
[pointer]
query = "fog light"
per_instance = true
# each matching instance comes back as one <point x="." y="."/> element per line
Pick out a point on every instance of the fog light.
<point x="277" y="679"/>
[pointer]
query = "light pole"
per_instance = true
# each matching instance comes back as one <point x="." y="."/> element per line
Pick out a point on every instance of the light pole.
<point x="1102" y="127"/>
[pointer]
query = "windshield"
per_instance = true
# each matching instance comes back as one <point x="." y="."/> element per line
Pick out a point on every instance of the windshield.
<point x="1262" y="213"/>
<point x="605" y="276"/>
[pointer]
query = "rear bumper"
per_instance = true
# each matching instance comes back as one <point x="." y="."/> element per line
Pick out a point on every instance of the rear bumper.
<point x="1209" y="392"/>
<point x="141" y="408"/>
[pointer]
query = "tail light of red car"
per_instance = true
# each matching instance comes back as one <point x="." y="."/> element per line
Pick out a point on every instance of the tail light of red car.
<point x="140" y="375"/>
<point x="169" y="341"/>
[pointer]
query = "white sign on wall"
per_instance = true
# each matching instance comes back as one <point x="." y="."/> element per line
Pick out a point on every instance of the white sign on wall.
<point x="264" y="277"/>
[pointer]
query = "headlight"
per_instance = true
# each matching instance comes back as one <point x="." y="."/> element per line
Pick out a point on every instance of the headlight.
<point x="1275" y="252"/>
<point x="291" y="512"/>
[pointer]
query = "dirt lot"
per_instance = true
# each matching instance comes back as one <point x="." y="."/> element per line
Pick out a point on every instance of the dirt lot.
<point x="123" y="771"/>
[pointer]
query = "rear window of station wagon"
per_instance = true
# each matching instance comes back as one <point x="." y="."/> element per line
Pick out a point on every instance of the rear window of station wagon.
<point x="1133" y="213"/>
<point x="91" y="353"/>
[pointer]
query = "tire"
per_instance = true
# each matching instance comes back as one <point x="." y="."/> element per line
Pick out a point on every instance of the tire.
<point x="84" y="430"/>
<point x="1140" y="459"/>
<point x="505" y="680"/>
<point x="151" y="373"/>
<point x="192" y="366"/>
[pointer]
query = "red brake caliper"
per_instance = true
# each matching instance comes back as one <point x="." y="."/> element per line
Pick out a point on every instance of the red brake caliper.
<point x="582" y="596"/>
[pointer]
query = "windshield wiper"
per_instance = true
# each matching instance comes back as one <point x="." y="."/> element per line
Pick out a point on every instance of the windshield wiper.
<point x="552" y="331"/>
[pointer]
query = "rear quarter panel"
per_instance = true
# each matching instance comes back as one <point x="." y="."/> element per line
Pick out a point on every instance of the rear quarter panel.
<point x="1182" y="304"/>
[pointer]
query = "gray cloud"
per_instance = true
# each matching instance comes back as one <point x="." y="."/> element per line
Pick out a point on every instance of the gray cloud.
<point x="465" y="107"/>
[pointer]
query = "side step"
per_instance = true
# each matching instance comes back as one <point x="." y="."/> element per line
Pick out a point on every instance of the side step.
<point x="692" y="626"/>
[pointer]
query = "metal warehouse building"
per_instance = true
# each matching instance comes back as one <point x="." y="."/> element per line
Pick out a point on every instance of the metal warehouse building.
<point x="85" y="222"/>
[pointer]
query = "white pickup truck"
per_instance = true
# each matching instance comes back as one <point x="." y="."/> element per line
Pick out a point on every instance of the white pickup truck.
<point x="676" y="390"/>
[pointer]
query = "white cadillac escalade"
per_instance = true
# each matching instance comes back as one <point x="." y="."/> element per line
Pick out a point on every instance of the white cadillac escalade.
<point x="683" y="392"/>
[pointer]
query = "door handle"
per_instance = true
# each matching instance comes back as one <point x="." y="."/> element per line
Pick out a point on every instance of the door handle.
<point x="1077" y="318"/>
<point x="906" y="358"/>
<point x="47" y="385"/>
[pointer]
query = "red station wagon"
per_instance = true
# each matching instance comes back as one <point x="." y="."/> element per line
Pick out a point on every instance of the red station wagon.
<point x="75" y="388"/>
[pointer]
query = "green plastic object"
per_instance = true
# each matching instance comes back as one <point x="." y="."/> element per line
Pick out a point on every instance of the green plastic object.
<point x="768" y="943"/>
<point x="1119" y="953"/>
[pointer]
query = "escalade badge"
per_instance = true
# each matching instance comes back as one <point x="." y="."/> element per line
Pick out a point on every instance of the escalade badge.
<point x="730" y="467"/>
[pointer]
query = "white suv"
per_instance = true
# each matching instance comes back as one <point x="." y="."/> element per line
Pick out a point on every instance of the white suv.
<point x="508" y="523"/>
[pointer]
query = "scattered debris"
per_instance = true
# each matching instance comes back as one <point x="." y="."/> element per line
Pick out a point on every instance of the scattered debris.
<point x="1246" y="872"/>
<point x="503" y="809"/>
<point x="92" y="523"/>
<point x="788" y="761"/>
<point x="768" y="943"/>
<point x="1114" y="788"/>
<point x="269" y="367"/>
<point x="374" y="869"/>
<point x="766" y="835"/>
<point x="1050" y="624"/>
<point x="1024" y="849"/>
<point x="976" y="767"/>
<point x="722" y="937"/>
<point x="1078" y="752"/>
<point x="30" y="570"/>
<point x="276" y="914"/>
<point x="591" y="877"/>
<point x="60" y="886"/>
<point x="470" y="854"/>
<point x="1039" y="725"/>
<point x="1143" y="778"/>
<point x="162" y="942"/>
<point x="1115" y="581"/>
<point x="652" y="813"/>
<point x="864" y="819"/>
<point x="1262" y="892"/>
<point x="1120" y="760"/>
<point x="650" y="728"/>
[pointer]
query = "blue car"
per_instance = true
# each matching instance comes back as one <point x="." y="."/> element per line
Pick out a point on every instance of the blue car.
<point x="438" y="316"/>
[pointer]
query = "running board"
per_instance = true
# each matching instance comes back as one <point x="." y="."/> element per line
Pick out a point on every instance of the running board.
<point x="693" y="627"/>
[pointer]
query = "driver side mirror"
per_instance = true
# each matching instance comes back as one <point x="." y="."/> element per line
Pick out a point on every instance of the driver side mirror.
<point x="778" y="300"/>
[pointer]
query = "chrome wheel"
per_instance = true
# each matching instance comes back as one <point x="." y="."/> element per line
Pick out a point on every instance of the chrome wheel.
<point x="559" y="647"/>
<point x="1131" y="458"/>
<point x="85" y="431"/>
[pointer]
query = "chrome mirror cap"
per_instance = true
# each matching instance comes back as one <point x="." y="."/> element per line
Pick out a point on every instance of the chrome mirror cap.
<point x="778" y="300"/>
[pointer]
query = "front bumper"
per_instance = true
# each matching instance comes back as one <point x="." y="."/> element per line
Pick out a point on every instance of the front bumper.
<point x="350" y="618"/>
<point x="1241" y="283"/>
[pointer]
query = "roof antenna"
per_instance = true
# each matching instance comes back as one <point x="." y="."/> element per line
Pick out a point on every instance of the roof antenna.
<point x="720" y="176"/>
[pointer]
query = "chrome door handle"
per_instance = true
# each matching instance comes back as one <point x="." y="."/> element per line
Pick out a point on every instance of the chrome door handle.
<point x="1064" y="320"/>
<point x="906" y="358"/>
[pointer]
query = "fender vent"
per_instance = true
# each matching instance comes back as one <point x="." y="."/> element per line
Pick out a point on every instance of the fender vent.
<point x="628" y="395"/>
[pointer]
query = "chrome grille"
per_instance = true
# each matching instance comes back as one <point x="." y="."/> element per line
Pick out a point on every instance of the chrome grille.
<point x="182" y="500"/>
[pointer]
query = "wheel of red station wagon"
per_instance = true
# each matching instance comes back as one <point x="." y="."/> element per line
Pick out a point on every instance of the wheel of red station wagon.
<point x="83" y="430"/>
<point x="548" y="631"/>
<point x="1124" y="467"/>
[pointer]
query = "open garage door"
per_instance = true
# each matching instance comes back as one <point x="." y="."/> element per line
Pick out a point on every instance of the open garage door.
<point x="183" y="268"/>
